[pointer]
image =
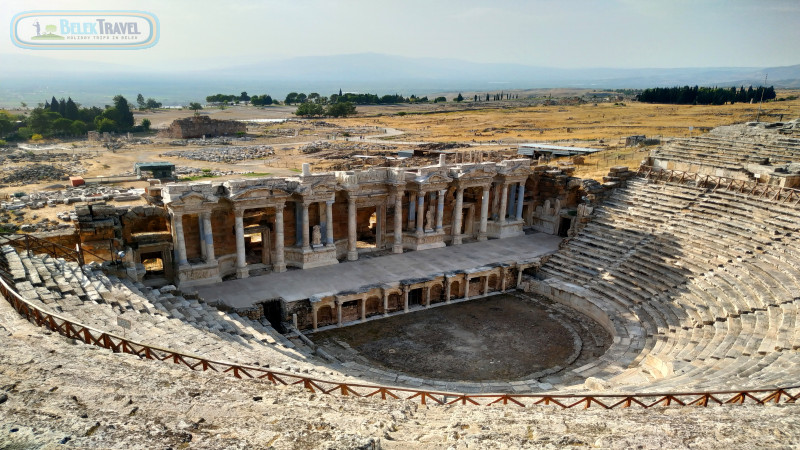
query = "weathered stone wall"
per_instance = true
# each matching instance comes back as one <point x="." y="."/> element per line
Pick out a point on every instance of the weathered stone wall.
<point x="199" y="126"/>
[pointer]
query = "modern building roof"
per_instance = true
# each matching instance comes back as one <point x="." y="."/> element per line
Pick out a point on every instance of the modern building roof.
<point x="533" y="148"/>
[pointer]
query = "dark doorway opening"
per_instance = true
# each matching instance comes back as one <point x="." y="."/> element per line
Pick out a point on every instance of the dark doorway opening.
<point x="415" y="297"/>
<point x="153" y="265"/>
<point x="273" y="311"/>
<point x="563" y="228"/>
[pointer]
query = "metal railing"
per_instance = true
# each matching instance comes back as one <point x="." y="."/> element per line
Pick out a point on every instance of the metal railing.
<point x="117" y="344"/>
<point x="747" y="187"/>
<point x="29" y="243"/>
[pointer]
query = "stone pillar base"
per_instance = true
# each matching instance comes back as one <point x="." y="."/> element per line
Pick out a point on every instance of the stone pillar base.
<point x="482" y="237"/>
<point x="352" y="256"/>
<point x="279" y="267"/>
<point x="397" y="248"/>
<point x="457" y="240"/>
<point x="242" y="272"/>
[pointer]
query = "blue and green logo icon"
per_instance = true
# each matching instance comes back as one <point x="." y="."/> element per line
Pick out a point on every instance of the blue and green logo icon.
<point x="87" y="30"/>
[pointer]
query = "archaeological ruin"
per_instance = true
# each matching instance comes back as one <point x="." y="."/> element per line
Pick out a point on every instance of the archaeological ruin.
<point x="678" y="280"/>
<point x="202" y="126"/>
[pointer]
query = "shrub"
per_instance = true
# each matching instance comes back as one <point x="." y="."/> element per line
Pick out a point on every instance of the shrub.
<point x="37" y="137"/>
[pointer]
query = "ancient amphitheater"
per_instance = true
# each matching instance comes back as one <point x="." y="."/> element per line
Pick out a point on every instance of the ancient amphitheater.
<point x="691" y="264"/>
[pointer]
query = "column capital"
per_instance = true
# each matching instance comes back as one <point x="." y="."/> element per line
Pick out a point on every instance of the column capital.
<point x="238" y="211"/>
<point x="329" y="202"/>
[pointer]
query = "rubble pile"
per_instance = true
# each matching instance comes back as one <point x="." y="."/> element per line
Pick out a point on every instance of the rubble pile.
<point x="33" y="174"/>
<point x="85" y="193"/>
<point x="318" y="146"/>
<point x="184" y="171"/>
<point x="441" y="145"/>
<point x="209" y="141"/>
<point x="224" y="154"/>
<point x="29" y="156"/>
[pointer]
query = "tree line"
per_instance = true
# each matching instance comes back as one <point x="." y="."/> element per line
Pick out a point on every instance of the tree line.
<point x="687" y="95"/>
<point x="67" y="118"/>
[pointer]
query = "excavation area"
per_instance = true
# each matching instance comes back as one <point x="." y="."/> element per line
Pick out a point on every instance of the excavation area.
<point x="499" y="338"/>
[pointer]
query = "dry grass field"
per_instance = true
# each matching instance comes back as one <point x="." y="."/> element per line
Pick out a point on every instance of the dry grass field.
<point x="501" y="124"/>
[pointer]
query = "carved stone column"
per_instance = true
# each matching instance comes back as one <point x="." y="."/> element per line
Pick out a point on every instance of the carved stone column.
<point x="503" y="204"/>
<point x="446" y="290"/>
<point x="180" y="243"/>
<point x="352" y="251"/>
<point x="363" y="309"/>
<point x="305" y="225"/>
<point x="397" y="247"/>
<point x="484" y="213"/>
<point x="314" y="317"/>
<point x="241" y="262"/>
<point x="440" y="209"/>
<point x="279" y="265"/>
<point x="338" y="312"/>
<point x="202" y="235"/>
<point x="385" y="303"/>
<point x="412" y="210"/>
<point x="420" y="213"/>
<point x="457" y="218"/>
<point x="329" y="220"/>
<point x="209" y="237"/>
<point x="405" y="298"/>
<point x="512" y="204"/>
<point x="520" y="196"/>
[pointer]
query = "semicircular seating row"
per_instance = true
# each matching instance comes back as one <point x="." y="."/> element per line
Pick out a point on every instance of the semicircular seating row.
<point x="158" y="317"/>
<point x="710" y="278"/>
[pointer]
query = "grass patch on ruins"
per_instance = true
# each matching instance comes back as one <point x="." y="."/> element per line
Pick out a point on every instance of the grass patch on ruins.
<point x="257" y="174"/>
<point x="198" y="177"/>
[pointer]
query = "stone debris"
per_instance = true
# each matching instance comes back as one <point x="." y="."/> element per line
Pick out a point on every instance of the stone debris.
<point x="35" y="173"/>
<point x="350" y="146"/>
<point x="224" y="154"/>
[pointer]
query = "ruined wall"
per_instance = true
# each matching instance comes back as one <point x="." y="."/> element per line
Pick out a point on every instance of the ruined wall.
<point x="222" y="226"/>
<point x="199" y="126"/>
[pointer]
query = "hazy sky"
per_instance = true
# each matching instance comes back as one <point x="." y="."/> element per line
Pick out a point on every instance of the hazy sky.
<point x="554" y="33"/>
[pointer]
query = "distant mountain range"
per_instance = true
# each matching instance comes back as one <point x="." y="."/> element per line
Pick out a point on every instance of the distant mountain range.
<point x="27" y="77"/>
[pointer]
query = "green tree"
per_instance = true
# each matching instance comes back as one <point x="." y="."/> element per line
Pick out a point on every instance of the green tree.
<point x="460" y="98"/>
<point x="125" y="120"/>
<point x="5" y="124"/>
<point x="146" y="124"/>
<point x="62" y="126"/>
<point x="342" y="109"/>
<point x="152" y="104"/>
<point x="291" y="98"/>
<point x="78" y="127"/>
<point x="140" y="101"/>
<point x="104" y="124"/>
<point x="244" y="97"/>
<point x="54" y="104"/>
<point x="71" y="110"/>
<point x="196" y="107"/>
<point x="41" y="121"/>
<point x="439" y="99"/>
<point x="309" y="109"/>
<point x="51" y="29"/>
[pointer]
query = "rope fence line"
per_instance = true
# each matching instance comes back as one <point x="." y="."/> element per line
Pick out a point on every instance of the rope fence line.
<point x="750" y="188"/>
<point x="117" y="344"/>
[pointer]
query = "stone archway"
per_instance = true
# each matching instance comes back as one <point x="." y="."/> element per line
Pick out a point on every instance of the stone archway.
<point x="437" y="294"/>
<point x="494" y="283"/>
<point x="373" y="306"/>
<point x="325" y="316"/>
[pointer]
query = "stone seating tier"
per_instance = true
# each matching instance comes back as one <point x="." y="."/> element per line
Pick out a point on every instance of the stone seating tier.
<point x="713" y="283"/>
